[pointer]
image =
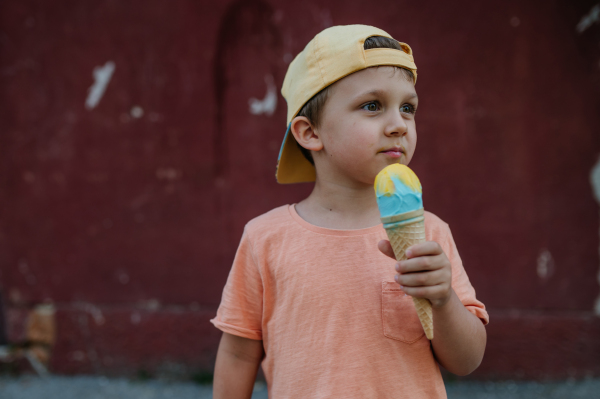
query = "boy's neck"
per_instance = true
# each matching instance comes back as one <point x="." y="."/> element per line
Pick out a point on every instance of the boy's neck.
<point x="337" y="206"/>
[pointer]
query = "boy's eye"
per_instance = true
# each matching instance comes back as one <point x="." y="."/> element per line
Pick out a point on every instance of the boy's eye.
<point x="371" y="107"/>
<point x="408" y="109"/>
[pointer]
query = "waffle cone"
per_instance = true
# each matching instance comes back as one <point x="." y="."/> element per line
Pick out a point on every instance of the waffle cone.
<point x="405" y="230"/>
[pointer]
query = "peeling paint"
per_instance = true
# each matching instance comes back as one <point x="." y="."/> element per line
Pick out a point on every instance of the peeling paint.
<point x="94" y="311"/>
<point x="326" y="19"/>
<point x="136" y="112"/>
<point x="122" y="276"/>
<point x="590" y="19"/>
<point x="322" y="17"/>
<point x="102" y="76"/>
<point x="136" y="318"/>
<point x="595" y="181"/>
<point x="545" y="265"/>
<point x="78" y="356"/>
<point x="268" y="104"/>
<point x="151" y="305"/>
<point x="169" y="174"/>
<point x="23" y="266"/>
<point x="155" y="117"/>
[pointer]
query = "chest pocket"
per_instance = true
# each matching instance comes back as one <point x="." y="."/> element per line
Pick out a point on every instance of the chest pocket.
<point x="400" y="319"/>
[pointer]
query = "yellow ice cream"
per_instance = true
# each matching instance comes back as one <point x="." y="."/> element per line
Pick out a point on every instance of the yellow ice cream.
<point x="398" y="190"/>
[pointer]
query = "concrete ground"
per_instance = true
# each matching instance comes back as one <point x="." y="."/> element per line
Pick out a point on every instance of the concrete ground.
<point x="30" y="387"/>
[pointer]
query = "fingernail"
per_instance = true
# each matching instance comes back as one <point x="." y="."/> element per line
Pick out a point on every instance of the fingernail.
<point x="396" y="278"/>
<point x="397" y="267"/>
<point x="408" y="254"/>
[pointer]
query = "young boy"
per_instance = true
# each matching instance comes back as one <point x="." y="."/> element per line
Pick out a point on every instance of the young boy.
<point x="312" y="293"/>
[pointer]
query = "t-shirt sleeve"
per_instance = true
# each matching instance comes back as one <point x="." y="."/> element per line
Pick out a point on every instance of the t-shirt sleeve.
<point x="460" y="281"/>
<point x="240" y="311"/>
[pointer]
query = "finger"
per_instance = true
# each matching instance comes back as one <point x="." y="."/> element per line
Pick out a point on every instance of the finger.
<point x="421" y="264"/>
<point x="432" y="293"/>
<point x="423" y="279"/>
<point x="386" y="248"/>
<point x="427" y="248"/>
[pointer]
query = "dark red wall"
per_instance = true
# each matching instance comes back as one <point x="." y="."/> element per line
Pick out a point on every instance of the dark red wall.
<point x="127" y="216"/>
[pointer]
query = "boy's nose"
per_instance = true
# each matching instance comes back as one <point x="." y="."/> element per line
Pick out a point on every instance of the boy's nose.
<point x="396" y="125"/>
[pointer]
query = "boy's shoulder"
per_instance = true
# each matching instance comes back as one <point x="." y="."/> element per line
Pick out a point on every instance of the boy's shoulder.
<point x="434" y="220"/>
<point x="435" y="227"/>
<point x="272" y="220"/>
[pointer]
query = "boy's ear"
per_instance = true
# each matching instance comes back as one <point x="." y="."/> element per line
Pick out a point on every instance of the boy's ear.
<point x="305" y="134"/>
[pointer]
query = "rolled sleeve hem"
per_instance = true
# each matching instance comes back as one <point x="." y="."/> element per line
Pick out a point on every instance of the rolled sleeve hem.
<point x="238" y="331"/>
<point x="479" y="313"/>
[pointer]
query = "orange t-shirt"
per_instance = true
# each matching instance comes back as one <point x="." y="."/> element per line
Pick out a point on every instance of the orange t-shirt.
<point x="333" y="322"/>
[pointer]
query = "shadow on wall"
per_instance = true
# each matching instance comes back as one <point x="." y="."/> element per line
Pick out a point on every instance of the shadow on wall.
<point x="248" y="62"/>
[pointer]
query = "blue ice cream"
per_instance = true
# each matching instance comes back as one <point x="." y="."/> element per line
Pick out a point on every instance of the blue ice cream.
<point x="398" y="190"/>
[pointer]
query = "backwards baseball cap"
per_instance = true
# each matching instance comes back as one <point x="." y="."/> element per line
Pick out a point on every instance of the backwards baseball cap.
<point x="333" y="54"/>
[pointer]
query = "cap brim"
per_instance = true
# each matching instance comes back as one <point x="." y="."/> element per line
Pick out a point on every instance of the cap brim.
<point x="292" y="166"/>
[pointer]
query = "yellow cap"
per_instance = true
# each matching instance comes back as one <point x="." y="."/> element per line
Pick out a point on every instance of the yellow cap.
<point x="333" y="54"/>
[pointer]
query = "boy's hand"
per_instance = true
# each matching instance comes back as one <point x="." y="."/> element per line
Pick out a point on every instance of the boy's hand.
<point x="426" y="273"/>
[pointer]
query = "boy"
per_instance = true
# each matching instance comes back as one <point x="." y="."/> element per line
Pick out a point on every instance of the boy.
<point x="312" y="292"/>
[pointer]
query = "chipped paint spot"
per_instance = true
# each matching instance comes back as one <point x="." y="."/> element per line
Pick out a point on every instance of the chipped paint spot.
<point x="545" y="265"/>
<point x="590" y="19"/>
<point x="23" y="266"/>
<point x="595" y="181"/>
<point x="102" y="76"/>
<point x="326" y="19"/>
<point x="136" y="318"/>
<point x="15" y="296"/>
<point x="136" y="112"/>
<point x="123" y="277"/>
<point x="268" y="104"/>
<point x="151" y="304"/>
<point x="155" y="117"/>
<point x="78" y="356"/>
<point x="169" y="174"/>
<point x="94" y="311"/>
<point x="278" y="16"/>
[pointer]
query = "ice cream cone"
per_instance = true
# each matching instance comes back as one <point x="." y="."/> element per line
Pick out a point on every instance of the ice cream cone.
<point x="404" y="230"/>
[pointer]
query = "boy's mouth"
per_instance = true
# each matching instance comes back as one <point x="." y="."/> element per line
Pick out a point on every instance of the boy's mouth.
<point x="394" y="152"/>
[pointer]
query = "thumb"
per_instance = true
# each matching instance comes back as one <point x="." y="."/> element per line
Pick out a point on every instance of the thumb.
<point x="386" y="248"/>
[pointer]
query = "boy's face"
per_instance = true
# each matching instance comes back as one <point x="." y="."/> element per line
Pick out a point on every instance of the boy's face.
<point x="367" y="124"/>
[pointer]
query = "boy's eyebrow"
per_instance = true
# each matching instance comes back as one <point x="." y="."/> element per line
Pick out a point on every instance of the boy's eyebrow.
<point x="382" y="92"/>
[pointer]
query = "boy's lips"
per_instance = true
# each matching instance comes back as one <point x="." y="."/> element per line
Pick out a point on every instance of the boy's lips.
<point x="394" y="152"/>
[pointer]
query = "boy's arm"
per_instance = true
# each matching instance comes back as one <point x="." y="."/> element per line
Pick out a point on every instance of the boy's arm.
<point x="236" y="367"/>
<point x="459" y="336"/>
